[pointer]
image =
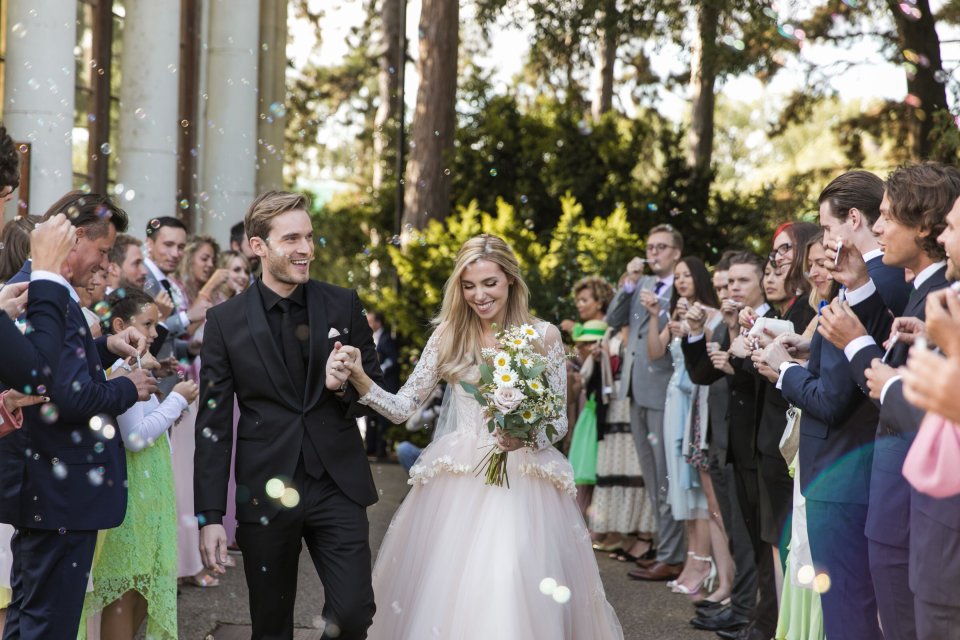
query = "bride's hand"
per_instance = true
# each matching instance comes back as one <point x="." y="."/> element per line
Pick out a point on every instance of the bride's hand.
<point x="352" y="361"/>
<point x="337" y="370"/>
<point x="507" y="443"/>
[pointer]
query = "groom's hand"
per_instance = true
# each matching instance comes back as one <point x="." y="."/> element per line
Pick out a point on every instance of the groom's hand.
<point x="213" y="548"/>
<point x="338" y="369"/>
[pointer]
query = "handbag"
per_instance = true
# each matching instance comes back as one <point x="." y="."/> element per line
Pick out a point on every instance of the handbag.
<point x="790" y="440"/>
<point x="932" y="465"/>
<point x="583" y="448"/>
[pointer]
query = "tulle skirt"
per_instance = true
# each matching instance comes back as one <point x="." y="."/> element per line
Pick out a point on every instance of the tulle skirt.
<point x="462" y="560"/>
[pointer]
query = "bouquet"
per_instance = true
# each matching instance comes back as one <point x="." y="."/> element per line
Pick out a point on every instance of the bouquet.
<point x="515" y="395"/>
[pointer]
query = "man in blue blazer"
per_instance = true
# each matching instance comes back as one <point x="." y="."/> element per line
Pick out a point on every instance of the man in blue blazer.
<point x="63" y="474"/>
<point x="916" y="201"/>
<point x="838" y="423"/>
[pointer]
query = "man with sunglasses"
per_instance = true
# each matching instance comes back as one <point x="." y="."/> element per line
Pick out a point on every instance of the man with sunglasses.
<point x="646" y="383"/>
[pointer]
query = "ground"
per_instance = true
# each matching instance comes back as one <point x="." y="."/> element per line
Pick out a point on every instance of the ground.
<point x="647" y="611"/>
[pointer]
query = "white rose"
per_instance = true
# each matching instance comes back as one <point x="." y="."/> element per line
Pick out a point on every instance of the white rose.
<point x="506" y="399"/>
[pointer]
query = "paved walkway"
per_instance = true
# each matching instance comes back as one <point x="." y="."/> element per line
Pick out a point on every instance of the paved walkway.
<point x="646" y="611"/>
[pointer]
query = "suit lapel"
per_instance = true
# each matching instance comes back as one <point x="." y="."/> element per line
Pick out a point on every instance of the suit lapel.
<point x="267" y="348"/>
<point x="319" y="344"/>
<point x="918" y="297"/>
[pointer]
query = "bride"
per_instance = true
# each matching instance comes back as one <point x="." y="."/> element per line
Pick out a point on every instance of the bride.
<point x="462" y="559"/>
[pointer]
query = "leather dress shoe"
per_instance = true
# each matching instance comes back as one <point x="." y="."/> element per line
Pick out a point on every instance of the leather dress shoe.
<point x="709" y="607"/>
<point x="747" y="633"/>
<point x="657" y="572"/>
<point x="725" y="620"/>
<point x="710" y="612"/>
<point x="646" y="563"/>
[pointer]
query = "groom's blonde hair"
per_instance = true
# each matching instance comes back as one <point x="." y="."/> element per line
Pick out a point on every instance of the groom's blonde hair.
<point x="458" y="325"/>
<point x="268" y="206"/>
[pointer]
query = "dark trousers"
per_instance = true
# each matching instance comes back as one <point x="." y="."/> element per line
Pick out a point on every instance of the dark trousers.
<point x="764" y="614"/>
<point x="336" y="532"/>
<point x="840" y="549"/>
<point x="889" y="567"/>
<point x="776" y="504"/>
<point x="49" y="581"/>
<point x="936" y="621"/>
<point x="744" y="596"/>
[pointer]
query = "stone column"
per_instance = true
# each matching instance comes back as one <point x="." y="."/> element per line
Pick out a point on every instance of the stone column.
<point x="273" y="94"/>
<point x="147" y="157"/>
<point x="39" y="92"/>
<point x="230" y="144"/>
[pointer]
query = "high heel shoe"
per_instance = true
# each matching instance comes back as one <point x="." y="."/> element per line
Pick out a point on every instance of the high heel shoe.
<point x="673" y="583"/>
<point x="707" y="582"/>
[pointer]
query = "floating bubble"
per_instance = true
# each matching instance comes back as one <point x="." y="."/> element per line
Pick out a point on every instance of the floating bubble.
<point x="524" y="199"/>
<point x="129" y="195"/>
<point x="75" y="437"/>
<point x="98" y="447"/>
<point x="278" y="110"/>
<point x="806" y="574"/>
<point x="140" y="113"/>
<point x="184" y="204"/>
<point x="290" y="498"/>
<point x="652" y="207"/>
<point x="206" y="433"/>
<point x="184" y="123"/>
<point x="18" y="30"/>
<point x="49" y="413"/>
<point x="275" y="488"/>
<point x="548" y="586"/>
<point x="94" y="477"/>
<point x="264" y="521"/>
<point x="96" y="423"/>
<point x="493" y="173"/>
<point x="561" y="595"/>
<point x="109" y="431"/>
<point x="102" y="309"/>
<point x="211" y="403"/>
<point x="105" y="148"/>
<point x="60" y="471"/>
<point x="821" y="584"/>
<point x="395" y="606"/>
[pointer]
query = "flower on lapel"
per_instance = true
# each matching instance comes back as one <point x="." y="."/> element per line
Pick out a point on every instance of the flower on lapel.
<point x="333" y="333"/>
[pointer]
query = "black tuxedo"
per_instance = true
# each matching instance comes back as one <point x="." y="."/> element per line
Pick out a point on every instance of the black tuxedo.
<point x="306" y="438"/>
<point x="60" y="482"/>
<point x="888" y="515"/>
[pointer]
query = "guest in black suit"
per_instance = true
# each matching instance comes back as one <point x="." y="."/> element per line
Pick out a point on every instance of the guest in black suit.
<point x="376" y="438"/>
<point x="930" y="384"/>
<point x="63" y="477"/>
<point x="32" y="360"/>
<point x="838" y="423"/>
<point x="301" y="471"/>
<point x="744" y="277"/>
<point x="912" y="215"/>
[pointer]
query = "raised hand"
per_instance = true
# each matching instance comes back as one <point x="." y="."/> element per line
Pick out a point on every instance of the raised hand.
<point x="720" y="359"/>
<point x="650" y="302"/>
<point x="730" y="310"/>
<point x="188" y="389"/>
<point x="13" y="299"/>
<point x="696" y="318"/>
<point x="747" y="317"/>
<point x="634" y="270"/>
<point x="839" y="324"/>
<point x="127" y="343"/>
<point x="219" y="278"/>
<point x="51" y="242"/>
<point x="849" y="269"/>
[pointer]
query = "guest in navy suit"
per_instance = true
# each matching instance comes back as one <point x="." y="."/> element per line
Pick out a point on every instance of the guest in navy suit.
<point x="838" y="422"/>
<point x="63" y="474"/>
<point x="916" y="201"/>
<point x="376" y="438"/>
<point x="31" y="360"/>
<point x="930" y="383"/>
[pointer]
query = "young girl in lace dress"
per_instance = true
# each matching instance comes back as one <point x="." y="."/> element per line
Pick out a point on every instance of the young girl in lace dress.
<point x="463" y="559"/>
<point x="135" y="572"/>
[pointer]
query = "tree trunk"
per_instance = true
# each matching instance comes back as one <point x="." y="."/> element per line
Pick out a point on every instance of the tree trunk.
<point x="918" y="36"/>
<point x="703" y="77"/>
<point x="606" y="58"/>
<point x="427" y="188"/>
<point x="387" y="118"/>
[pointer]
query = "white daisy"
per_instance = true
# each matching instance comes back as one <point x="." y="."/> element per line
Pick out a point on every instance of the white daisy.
<point x="505" y="377"/>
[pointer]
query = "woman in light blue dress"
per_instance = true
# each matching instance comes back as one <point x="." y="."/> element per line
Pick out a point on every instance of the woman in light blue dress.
<point x="683" y="436"/>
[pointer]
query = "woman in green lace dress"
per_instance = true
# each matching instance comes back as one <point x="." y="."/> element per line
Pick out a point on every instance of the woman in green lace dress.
<point x="135" y="572"/>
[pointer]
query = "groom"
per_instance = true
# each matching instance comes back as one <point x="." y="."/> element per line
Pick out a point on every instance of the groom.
<point x="301" y="469"/>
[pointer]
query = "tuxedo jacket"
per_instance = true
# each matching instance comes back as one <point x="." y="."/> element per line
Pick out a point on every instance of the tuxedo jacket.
<point x="738" y="431"/>
<point x="32" y="360"/>
<point x="887" y="515"/>
<point x="838" y="424"/>
<point x="648" y="380"/>
<point x="62" y="471"/>
<point x="240" y="356"/>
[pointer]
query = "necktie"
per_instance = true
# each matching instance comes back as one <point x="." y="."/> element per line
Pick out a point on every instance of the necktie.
<point x="912" y="301"/>
<point x="292" y="353"/>
<point x="659" y="287"/>
<point x="169" y="289"/>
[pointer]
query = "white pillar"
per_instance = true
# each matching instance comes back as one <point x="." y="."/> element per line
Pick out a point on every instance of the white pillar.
<point x="39" y="92"/>
<point x="230" y="145"/>
<point x="273" y="94"/>
<point x="147" y="157"/>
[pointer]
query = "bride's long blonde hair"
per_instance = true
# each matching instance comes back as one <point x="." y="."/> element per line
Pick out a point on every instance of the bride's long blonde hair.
<point x="458" y="326"/>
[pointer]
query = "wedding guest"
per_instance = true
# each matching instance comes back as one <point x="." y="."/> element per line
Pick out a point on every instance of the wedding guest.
<point x="690" y="491"/>
<point x="135" y="575"/>
<point x="376" y="437"/>
<point x="15" y="240"/>
<point x="646" y="385"/>
<point x="126" y="268"/>
<point x="240" y="243"/>
<point x="195" y="271"/>
<point x="915" y="203"/>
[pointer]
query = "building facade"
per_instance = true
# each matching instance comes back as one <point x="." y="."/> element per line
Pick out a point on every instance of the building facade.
<point x="174" y="107"/>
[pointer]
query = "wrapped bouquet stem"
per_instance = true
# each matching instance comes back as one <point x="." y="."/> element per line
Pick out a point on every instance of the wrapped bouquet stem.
<point x="516" y="398"/>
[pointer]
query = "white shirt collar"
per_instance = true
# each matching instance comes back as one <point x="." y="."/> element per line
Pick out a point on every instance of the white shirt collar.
<point x="376" y="336"/>
<point x="873" y="253"/>
<point x="762" y="309"/>
<point x="667" y="280"/>
<point x="926" y="274"/>
<point x="154" y="269"/>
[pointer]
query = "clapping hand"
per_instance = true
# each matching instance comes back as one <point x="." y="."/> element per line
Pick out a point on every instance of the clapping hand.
<point x="13" y="299"/>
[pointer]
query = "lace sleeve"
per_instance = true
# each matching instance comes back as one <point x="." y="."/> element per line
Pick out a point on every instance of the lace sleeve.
<point x="400" y="406"/>
<point x="557" y="380"/>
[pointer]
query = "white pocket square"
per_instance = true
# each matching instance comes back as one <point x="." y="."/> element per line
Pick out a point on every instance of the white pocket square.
<point x="333" y="333"/>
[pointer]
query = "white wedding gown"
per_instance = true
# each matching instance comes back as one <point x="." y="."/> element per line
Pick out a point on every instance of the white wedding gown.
<point x="462" y="560"/>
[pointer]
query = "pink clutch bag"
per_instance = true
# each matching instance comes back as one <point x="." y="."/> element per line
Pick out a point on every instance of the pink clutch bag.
<point x="932" y="465"/>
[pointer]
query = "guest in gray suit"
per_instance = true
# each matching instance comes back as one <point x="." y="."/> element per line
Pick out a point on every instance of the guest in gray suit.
<point x="646" y="385"/>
